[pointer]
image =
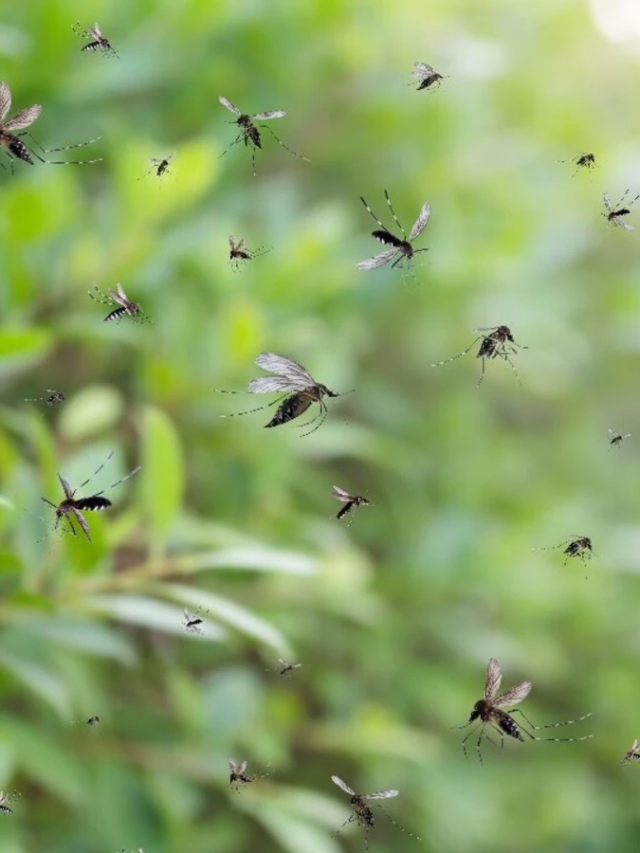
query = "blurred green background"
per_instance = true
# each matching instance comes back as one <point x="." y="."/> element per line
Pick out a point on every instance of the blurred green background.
<point x="395" y="617"/>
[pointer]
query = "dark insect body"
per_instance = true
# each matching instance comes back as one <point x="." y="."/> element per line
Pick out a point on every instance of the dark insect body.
<point x="237" y="774"/>
<point x="350" y="501"/>
<point x="239" y="252"/>
<point x="74" y="507"/>
<point x="616" y="438"/>
<point x="403" y="249"/>
<point x="363" y="813"/>
<point x="193" y="622"/>
<point x="582" y="161"/>
<point x="97" y="41"/>
<point x="53" y="398"/>
<point x="633" y="754"/>
<point x="13" y="144"/>
<point x="92" y="721"/>
<point x="579" y="546"/>
<point x="426" y="76"/>
<point x="284" y="667"/>
<point x="127" y="307"/>
<point x="300" y="391"/>
<point x="615" y="213"/>
<point x="161" y="165"/>
<point x="249" y="132"/>
<point x="499" y="343"/>
<point x="489" y="711"/>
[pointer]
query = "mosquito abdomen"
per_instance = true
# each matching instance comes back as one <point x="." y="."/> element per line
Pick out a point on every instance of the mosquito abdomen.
<point x="291" y="408"/>
<point x="19" y="149"/>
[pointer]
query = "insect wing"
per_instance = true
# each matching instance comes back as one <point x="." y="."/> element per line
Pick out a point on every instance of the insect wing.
<point x="271" y="384"/>
<point x="421" y="222"/>
<point x="377" y="260"/>
<point x="270" y="114"/>
<point x="514" y="695"/>
<point x="5" y="100"/>
<point x="494" y="677"/>
<point x="340" y="494"/>
<point x="607" y="202"/>
<point x="422" y="70"/>
<point x="381" y="795"/>
<point x="119" y="297"/>
<point x="66" y="487"/>
<point x="229" y="105"/>
<point x="243" y="767"/>
<point x="283" y="366"/>
<point x="338" y="781"/>
<point x="23" y="119"/>
<point x="624" y="225"/>
<point x="83" y="523"/>
<point x="120" y="290"/>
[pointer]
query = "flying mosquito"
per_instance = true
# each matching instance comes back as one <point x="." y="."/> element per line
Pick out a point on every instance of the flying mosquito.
<point x="490" y="711"/>
<point x="616" y="438"/>
<point x="193" y="622"/>
<point x="239" y="252"/>
<point x="97" y="41"/>
<point x="350" y="501"/>
<point x="582" y="161"/>
<point x="493" y="345"/>
<point x="579" y="546"/>
<point x="72" y="506"/>
<point x="284" y="667"/>
<point x="615" y="213"/>
<point x="120" y="298"/>
<point x="92" y="721"/>
<point x="249" y="133"/>
<point x="13" y="144"/>
<point x="402" y="248"/>
<point x="363" y="813"/>
<point x="298" y="388"/>
<point x="4" y="799"/>
<point x="426" y="76"/>
<point x="633" y="754"/>
<point x="161" y="165"/>
<point x="53" y="398"/>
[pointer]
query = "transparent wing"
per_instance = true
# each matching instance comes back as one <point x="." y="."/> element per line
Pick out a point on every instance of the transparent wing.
<point x="120" y="290"/>
<point x="514" y="695"/>
<point x="381" y="795"/>
<point x="83" y="523"/>
<point x="5" y="100"/>
<point x="494" y="677"/>
<point x="607" y="201"/>
<point x="187" y="615"/>
<point x="420" y="224"/>
<point x="624" y="225"/>
<point x="270" y="114"/>
<point x="229" y="105"/>
<point x="338" y="781"/>
<point x="24" y="118"/>
<point x="121" y="300"/>
<point x="377" y="261"/>
<point x="232" y="764"/>
<point x="422" y="70"/>
<point x="271" y="384"/>
<point x="95" y="32"/>
<point x="283" y="366"/>
<point x="340" y="494"/>
<point x="243" y="767"/>
<point x="65" y="485"/>
<point x="232" y="241"/>
<point x="240" y="246"/>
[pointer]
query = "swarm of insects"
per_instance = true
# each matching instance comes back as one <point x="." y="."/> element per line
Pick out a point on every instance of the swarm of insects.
<point x="578" y="546"/>
<point x="490" y="712"/>
<point x="350" y="501"/>
<point x="97" y="41"/>
<point x="615" y="213"/>
<point x="119" y="297"/>
<point x="363" y="813"/>
<point x="582" y="161"/>
<point x="161" y="165"/>
<point x="72" y="506"/>
<point x="239" y="252"/>
<point x="13" y="144"/>
<point x="402" y="248"/>
<point x="298" y="388"/>
<point x="426" y="76"/>
<point x="284" y="668"/>
<point x="616" y="438"/>
<point x="53" y="398"/>
<point x="499" y="343"/>
<point x="193" y="622"/>
<point x="633" y="754"/>
<point x="249" y="132"/>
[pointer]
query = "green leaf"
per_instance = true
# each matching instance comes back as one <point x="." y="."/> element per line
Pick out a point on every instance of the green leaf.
<point x="162" y="472"/>
<point x="38" y="679"/>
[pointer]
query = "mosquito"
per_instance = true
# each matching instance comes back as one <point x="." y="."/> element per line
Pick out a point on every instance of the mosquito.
<point x="13" y="143"/>
<point x="161" y="165"/>
<point x="298" y="388"/>
<point x="193" y="623"/>
<point x="402" y="248"/>
<point x="249" y="133"/>
<point x="490" y="711"/>
<point x="579" y="546"/>
<point x="239" y="252"/>
<point x="97" y="41"/>
<point x="426" y="76"/>
<point x="616" y="438"/>
<point x="615" y="213"/>
<point x="363" y="813"/>
<point x="53" y="398"/>
<point x="498" y="343"/>
<point x="633" y="754"/>
<point x="582" y="161"/>
<point x="92" y="721"/>
<point x="350" y="501"/>
<point x="72" y="506"/>
<point x="7" y="798"/>
<point x="120" y="298"/>
<point x="284" y="667"/>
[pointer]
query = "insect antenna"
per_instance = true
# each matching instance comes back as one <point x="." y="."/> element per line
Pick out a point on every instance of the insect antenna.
<point x="280" y="142"/>
<point x="551" y="726"/>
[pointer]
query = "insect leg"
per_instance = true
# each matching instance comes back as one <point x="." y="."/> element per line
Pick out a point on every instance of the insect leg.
<point x="117" y="483"/>
<point x="63" y="148"/>
<point x="97" y="471"/>
<point x="384" y="228"/>
<point x="482" y="374"/>
<point x="453" y="357"/>
<point x="280" y="142"/>
<point x="237" y="139"/>
<point x="550" y="725"/>
<point x="386" y="195"/>
<point x="322" y="414"/>
<point x="249" y="411"/>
